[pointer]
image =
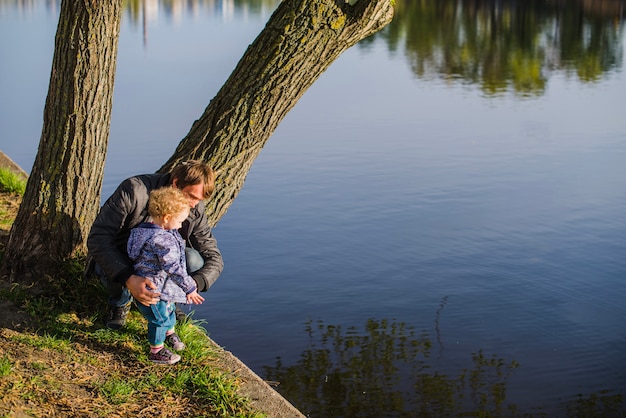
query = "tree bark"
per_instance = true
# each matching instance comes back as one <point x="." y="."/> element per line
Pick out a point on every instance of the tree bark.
<point x="62" y="194"/>
<point x="299" y="42"/>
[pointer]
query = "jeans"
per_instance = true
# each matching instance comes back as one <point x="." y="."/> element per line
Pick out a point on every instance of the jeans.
<point x="119" y="294"/>
<point x="194" y="260"/>
<point x="161" y="317"/>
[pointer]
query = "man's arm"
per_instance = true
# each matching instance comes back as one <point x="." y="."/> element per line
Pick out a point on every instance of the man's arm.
<point x="105" y="235"/>
<point x="201" y="238"/>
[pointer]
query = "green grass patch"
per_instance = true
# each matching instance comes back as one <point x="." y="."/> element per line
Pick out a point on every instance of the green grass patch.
<point x="11" y="182"/>
<point x="46" y="340"/>
<point x="5" y="366"/>
<point x="117" y="390"/>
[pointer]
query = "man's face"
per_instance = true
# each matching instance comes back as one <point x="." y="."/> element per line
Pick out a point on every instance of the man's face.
<point x="194" y="193"/>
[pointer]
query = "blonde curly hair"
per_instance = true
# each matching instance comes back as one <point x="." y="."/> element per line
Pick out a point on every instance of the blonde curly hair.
<point x="167" y="201"/>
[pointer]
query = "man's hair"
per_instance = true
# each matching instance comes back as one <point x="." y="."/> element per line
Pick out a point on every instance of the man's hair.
<point x="167" y="200"/>
<point x="192" y="172"/>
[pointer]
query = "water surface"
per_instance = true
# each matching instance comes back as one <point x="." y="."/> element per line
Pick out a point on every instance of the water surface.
<point x="420" y="236"/>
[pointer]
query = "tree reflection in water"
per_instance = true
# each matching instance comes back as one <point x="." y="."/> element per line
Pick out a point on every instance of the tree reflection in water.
<point x="386" y="370"/>
<point x="507" y="45"/>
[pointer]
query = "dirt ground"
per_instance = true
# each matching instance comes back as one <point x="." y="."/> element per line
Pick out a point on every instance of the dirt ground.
<point x="262" y="396"/>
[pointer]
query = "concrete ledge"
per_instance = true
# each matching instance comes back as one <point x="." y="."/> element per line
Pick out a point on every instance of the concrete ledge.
<point x="262" y="396"/>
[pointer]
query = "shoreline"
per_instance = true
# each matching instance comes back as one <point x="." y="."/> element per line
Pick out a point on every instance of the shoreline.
<point x="264" y="398"/>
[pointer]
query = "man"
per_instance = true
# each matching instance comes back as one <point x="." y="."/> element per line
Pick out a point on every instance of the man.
<point x="128" y="207"/>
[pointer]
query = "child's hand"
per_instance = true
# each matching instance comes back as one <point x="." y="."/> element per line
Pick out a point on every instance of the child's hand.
<point x="195" y="298"/>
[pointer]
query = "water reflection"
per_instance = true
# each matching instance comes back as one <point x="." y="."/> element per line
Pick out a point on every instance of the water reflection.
<point x="499" y="45"/>
<point x="140" y="11"/>
<point x="384" y="370"/>
<point x="508" y="45"/>
<point x="387" y="369"/>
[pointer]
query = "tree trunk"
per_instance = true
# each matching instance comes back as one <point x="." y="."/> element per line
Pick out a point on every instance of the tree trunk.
<point x="63" y="190"/>
<point x="299" y="42"/>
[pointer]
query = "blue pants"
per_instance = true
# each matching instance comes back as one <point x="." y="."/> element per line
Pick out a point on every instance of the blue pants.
<point x="161" y="317"/>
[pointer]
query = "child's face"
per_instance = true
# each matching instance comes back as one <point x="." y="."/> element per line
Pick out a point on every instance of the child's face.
<point x="175" y="221"/>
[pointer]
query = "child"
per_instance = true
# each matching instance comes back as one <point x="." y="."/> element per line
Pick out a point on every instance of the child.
<point x="158" y="253"/>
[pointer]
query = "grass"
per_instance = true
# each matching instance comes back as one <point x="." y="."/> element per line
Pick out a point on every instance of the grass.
<point x="12" y="188"/>
<point x="5" y="366"/>
<point x="11" y="182"/>
<point x="62" y="361"/>
<point x="67" y="355"/>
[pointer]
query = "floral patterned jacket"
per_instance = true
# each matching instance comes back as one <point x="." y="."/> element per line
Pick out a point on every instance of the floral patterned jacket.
<point x="159" y="255"/>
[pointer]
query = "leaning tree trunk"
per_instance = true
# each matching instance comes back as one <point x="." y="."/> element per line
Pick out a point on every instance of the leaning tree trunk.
<point x="62" y="194"/>
<point x="299" y="42"/>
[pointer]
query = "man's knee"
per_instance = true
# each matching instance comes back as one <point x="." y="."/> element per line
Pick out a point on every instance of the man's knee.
<point x="194" y="260"/>
<point x="118" y="295"/>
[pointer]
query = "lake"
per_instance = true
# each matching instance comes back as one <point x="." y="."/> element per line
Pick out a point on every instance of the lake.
<point x="438" y="226"/>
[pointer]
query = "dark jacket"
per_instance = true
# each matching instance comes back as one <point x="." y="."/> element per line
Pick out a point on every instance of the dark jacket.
<point x="128" y="207"/>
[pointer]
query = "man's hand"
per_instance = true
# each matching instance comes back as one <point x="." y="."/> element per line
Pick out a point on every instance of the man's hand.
<point x="138" y="287"/>
<point x="195" y="298"/>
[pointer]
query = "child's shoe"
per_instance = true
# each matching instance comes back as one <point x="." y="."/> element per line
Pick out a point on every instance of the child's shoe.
<point x="164" y="356"/>
<point x="174" y="341"/>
